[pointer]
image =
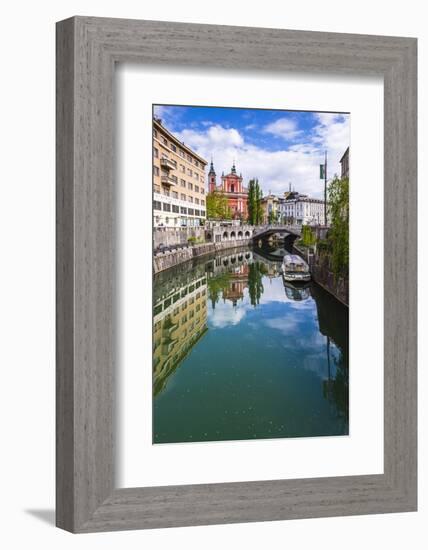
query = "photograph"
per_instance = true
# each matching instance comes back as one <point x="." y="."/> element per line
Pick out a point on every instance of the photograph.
<point x="251" y="264"/>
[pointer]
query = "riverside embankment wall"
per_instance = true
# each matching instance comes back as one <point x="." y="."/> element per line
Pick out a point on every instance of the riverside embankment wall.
<point x="165" y="260"/>
<point x="321" y="273"/>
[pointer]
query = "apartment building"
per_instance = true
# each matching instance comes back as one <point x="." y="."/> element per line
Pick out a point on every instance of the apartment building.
<point x="344" y="163"/>
<point x="301" y="209"/>
<point x="179" y="195"/>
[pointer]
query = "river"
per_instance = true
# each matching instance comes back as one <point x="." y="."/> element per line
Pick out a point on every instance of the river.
<point x="239" y="355"/>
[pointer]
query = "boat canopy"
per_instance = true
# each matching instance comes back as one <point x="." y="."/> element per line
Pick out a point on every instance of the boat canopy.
<point x="293" y="262"/>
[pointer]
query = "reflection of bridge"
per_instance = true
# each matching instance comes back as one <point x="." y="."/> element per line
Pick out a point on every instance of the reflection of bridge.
<point x="266" y="230"/>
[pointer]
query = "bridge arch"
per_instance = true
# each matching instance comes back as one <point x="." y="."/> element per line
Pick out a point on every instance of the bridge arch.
<point x="225" y="236"/>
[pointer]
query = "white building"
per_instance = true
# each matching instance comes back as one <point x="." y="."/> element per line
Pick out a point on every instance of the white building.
<point x="301" y="209"/>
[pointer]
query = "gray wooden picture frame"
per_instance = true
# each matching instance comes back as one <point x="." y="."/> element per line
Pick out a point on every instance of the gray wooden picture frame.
<point x="87" y="50"/>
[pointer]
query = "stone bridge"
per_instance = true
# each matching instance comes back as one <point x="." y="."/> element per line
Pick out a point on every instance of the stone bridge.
<point x="228" y="233"/>
<point x="266" y="230"/>
<point x="223" y="233"/>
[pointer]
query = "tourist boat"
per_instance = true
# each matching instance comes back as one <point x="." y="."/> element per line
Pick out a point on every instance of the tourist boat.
<point x="295" y="269"/>
<point x="297" y="292"/>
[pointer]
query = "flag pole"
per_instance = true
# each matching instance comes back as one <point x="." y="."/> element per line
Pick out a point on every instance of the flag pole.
<point x="325" y="190"/>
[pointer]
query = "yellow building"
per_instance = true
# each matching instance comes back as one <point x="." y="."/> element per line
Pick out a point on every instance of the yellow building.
<point x="179" y="194"/>
<point x="270" y="207"/>
<point x="179" y="321"/>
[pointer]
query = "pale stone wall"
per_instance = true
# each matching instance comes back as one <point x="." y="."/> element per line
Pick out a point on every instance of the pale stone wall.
<point x="168" y="259"/>
<point x="170" y="236"/>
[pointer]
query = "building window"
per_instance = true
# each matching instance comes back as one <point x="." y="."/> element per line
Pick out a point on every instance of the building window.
<point x="190" y="186"/>
<point x="183" y="197"/>
<point x="183" y="210"/>
<point x="196" y="176"/>
<point x="164" y="140"/>
<point x="155" y="171"/>
<point x="182" y="168"/>
<point x="173" y="148"/>
<point x="196" y="201"/>
<point x="155" y="134"/>
<point x="166" y="207"/>
<point x="181" y="153"/>
<point x="175" y="194"/>
<point x="190" y="199"/>
<point x="202" y="202"/>
<point x="196" y="188"/>
<point x="156" y="188"/>
<point x="183" y="183"/>
<point x="189" y="172"/>
<point x="189" y="158"/>
<point x="190" y="211"/>
<point x="157" y="205"/>
<point x="155" y="152"/>
<point x="196" y="163"/>
<point x="175" y="209"/>
<point x="202" y="212"/>
<point x="197" y="213"/>
<point x="202" y="191"/>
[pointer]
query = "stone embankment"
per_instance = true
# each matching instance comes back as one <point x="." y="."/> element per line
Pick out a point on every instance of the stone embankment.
<point x="171" y="258"/>
<point x="171" y="236"/>
<point x="319" y="264"/>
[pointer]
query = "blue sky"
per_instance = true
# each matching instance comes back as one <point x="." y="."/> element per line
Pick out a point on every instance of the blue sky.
<point x="278" y="147"/>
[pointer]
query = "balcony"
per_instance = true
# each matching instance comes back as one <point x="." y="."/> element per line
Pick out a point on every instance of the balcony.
<point x="168" y="180"/>
<point x="168" y="164"/>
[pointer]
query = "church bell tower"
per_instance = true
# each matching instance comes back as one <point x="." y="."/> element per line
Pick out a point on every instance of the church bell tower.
<point x="212" y="180"/>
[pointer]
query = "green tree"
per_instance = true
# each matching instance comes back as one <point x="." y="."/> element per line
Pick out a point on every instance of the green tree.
<point x="273" y="217"/>
<point x="259" y="209"/>
<point x="255" y="211"/>
<point x="308" y="236"/>
<point x="338" y="204"/>
<point x="251" y="203"/>
<point x="217" y="206"/>
<point x="216" y="287"/>
<point x="255" y="284"/>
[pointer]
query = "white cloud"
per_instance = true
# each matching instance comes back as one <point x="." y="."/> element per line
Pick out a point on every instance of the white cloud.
<point x="298" y="164"/>
<point x="284" y="128"/>
<point x="225" y="315"/>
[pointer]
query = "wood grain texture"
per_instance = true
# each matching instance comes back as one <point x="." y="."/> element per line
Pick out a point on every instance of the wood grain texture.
<point x="87" y="49"/>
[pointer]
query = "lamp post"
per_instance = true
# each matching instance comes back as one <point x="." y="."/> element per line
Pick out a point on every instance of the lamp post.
<point x="325" y="190"/>
<point x="323" y="175"/>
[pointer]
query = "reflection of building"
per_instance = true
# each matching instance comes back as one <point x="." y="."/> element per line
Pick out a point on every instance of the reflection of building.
<point x="179" y="321"/>
<point x="222" y="264"/>
<point x="238" y="280"/>
<point x="178" y="181"/>
<point x="344" y="162"/>
<point x="232" y="187"/>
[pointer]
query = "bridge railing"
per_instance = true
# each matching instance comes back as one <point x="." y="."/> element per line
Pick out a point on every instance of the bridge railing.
<point x="296" y="229"/>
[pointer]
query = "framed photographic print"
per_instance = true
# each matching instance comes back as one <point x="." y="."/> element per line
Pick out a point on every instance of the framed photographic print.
<point x="236" y="274"/>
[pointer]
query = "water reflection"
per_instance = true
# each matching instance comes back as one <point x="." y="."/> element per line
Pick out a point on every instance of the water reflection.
<point x="238" y="354"/>
<point x="179" y="322"/>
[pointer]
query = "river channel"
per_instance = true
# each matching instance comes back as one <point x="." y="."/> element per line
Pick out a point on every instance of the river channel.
<point x="239" y="354"/>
